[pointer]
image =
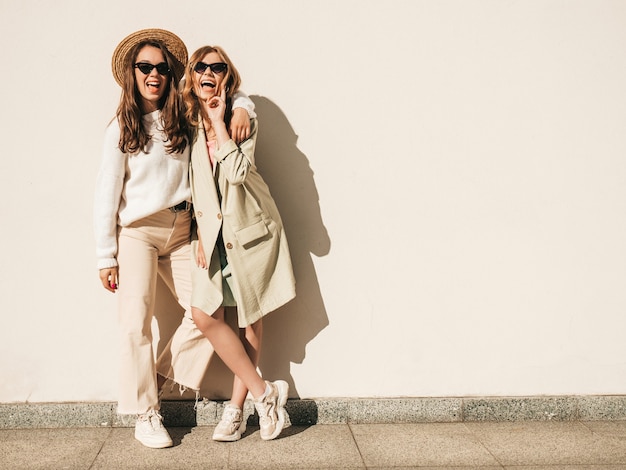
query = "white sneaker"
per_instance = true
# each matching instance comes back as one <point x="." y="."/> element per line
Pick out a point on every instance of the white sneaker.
<point x="231" y="426"/>
<point x="150" y="432"/>
<point x="271" y="410"/>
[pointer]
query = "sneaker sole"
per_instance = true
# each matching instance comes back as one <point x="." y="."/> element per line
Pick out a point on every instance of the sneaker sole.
<point x="155" y="445"/>
<point x="231" y="437"/>
<point x="283" y="393"/>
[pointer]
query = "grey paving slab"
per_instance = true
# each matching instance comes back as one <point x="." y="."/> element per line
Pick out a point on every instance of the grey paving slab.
<point x="447" y="467"/>
<point x="193" y="449"/>
<point x="298" y="447"/>
<point x="405" y="445"/>
<point x="566" y="467"/>
<point x="593" y="445"/>
<point x="33" y="449"/>
<point x="550" y="443"/>
<point x="616" y="429"/>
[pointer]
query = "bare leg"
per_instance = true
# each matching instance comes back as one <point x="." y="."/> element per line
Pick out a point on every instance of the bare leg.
<point x="251" y="338"/>
<point x="229" y="348"/>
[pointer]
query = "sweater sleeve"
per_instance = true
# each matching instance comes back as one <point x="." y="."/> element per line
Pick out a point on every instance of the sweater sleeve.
<point x="241" y="100"/>
<point x="109" y="186"/>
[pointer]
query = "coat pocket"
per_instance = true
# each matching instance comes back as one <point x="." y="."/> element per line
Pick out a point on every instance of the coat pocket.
<point x="251" y="233"/>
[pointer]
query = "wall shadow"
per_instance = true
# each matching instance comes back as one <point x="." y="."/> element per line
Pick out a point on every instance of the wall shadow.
<point x="287" y="172"/>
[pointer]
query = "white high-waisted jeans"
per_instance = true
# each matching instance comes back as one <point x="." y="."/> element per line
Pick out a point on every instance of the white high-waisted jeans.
<point x="158" y="245"/>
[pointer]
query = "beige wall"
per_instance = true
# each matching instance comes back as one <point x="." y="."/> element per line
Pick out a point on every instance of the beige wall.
<point x="452" y="176"/>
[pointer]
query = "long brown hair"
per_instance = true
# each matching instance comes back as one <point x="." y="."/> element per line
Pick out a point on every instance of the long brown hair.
<point x="133" y="136"/>
<point x="232" y="82"/>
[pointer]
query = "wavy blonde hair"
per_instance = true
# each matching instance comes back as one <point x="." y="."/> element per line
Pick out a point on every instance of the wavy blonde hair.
<point x="232" y="82"/>
<point x="133" y="136"/>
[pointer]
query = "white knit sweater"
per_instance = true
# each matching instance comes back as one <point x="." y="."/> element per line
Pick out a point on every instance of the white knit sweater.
<point x="131" y="187"/>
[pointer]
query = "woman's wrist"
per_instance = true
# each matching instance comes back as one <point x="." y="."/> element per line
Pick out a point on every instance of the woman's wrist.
<point x="221" y="132"/>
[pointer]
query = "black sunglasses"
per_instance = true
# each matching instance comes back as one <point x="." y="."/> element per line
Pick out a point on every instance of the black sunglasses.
<point x="146" y="68"/>
<point x="217" y="67"/>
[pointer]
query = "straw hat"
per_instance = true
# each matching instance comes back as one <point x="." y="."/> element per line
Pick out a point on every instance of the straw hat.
<point x="172" y="42"/>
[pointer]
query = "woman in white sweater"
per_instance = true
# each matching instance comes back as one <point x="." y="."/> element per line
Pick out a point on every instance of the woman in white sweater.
<point x="142" y="213"/>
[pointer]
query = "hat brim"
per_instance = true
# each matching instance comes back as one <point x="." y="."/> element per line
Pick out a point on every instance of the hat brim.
<point x="121" y="55"/>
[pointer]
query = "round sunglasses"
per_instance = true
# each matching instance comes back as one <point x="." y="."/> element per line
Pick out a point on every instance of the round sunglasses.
<point x="217" y="67"/>
<point x="146" y="68"/>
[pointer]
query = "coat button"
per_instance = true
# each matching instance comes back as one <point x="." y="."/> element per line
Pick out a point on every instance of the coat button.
<point x="219" y="216"/>
<point x="199" y="213"/>
<point x="229" y="245"/>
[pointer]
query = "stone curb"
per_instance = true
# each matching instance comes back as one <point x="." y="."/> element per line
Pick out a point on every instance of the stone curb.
<point x="184" y="413"/>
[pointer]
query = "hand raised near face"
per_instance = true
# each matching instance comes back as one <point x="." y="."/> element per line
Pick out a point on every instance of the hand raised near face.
<point x="216" y="107"/>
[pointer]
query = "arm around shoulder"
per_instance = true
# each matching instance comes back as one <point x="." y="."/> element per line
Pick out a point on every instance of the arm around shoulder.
<point x="243" y="101"/>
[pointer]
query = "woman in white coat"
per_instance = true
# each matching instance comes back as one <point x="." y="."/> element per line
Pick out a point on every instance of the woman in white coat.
<point x="242" y="257"/>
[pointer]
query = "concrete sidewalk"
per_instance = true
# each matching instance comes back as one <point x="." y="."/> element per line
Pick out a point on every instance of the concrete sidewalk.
<point x="511" y="445"/>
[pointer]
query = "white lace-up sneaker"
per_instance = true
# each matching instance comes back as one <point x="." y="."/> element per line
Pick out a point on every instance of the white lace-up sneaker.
<point x="231" y="426"/>
<point x="150" y="432"/>
<point x="271" y="410"/>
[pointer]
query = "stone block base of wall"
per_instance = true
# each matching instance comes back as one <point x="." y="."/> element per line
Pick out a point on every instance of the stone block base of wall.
<point x="306" y="412"/>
